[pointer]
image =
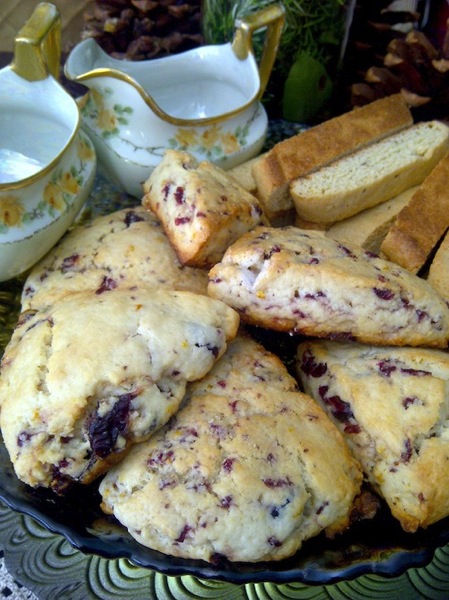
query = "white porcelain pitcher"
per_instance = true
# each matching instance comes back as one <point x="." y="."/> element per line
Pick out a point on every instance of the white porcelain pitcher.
<point x="205" y="101"/>
<point x="47" y="165"/>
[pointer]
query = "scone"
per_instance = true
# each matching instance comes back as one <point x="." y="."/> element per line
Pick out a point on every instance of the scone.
<point x="246" y="470"/>
<point x="84" y="380"/>
<point x="125" y="248"/>
<point x="299" y="281"/>
<point x="391" y="404"/>
<point x="202" y="208"/>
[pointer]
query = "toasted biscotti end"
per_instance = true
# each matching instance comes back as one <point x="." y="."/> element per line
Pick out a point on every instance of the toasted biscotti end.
<point x="422" y="223"/>
<point x="272" y="187"/>
<point x="438" y="275"/>
<point x="303" y="282"/>
<point x="390" y="404"/>
<point x="249" y="470"/>
<point x="313" y="148"/>
<point x="103" y="372"/>
<point x="372" y="175"/>
<point x="369" y="228"/>
<point x="125" y="248"/>
<point x="202" y="209"/>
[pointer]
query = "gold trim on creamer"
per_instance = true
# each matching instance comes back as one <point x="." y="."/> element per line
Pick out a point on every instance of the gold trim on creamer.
<point x="272" y="17"/>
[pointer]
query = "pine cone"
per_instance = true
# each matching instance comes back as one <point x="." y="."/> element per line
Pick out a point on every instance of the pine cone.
<point x="373" y="27"/>
<point x="383" y="60"/>
<point x="415" y="68"/>
<point x="144" y="29"/>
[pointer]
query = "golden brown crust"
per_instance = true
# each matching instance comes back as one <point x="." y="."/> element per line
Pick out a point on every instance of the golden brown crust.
<point x="324" y="143"/>
<point x="439" y="269"/>
<point x="421" y="224"/>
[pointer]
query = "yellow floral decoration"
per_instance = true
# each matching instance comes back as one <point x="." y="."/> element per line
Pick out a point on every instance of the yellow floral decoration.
<point x="11" y="211"/>
<point x="53" y="195"/>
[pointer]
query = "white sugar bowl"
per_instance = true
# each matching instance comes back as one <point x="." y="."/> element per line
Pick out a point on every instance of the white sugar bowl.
<point x="47" y="164"/>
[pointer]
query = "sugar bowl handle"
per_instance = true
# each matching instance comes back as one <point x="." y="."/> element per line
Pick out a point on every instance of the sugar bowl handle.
<point x="37" y="46"/>
<point x="272" y="17"/>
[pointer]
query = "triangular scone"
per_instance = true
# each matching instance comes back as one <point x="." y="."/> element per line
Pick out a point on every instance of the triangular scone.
<point x="392" y="406"/>
<point x="126" y="248"/>
<point x="302" y="282"/>
<point x="84" y="380"/>
<point x="246" y="470"/>
<point x="202" y="208"/>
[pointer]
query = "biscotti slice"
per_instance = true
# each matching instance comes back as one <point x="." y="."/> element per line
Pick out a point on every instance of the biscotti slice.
<point x="303" y="282"/>
<point x="202" y="209"/>
<point x="369" y="228"/>
<point x="422" y="223"/>
<point x="126" y="248"/>
<point x="438" y="276"/>
<point x="392" y="406"/>
<point x="83" y="381"/>
<point x="321" y="145"/>
<point x="371" y="175"/>
<point x="245" y="471"/>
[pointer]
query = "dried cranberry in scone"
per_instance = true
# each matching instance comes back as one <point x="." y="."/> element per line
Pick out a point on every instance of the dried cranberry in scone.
<point x="125" y="248"/>
<point x="392" y="407"/>
<point x="245" y="471"/>
<point x="302" y="282"/>
<point x="89" y="377"/>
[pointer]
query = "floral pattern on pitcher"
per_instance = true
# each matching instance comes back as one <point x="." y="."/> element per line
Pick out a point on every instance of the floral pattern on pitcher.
<point x="108" y="118"/>
<point x="212" y="142"/>
<point x="57" y="194"/>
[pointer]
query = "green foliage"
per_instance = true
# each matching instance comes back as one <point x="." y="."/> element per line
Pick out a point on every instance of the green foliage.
<point x="312" y="29"/>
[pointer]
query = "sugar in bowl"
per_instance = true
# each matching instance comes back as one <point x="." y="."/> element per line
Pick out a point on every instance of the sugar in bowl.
<point x="47" y="164"/>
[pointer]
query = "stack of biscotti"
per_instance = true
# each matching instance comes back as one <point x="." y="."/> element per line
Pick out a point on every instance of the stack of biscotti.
<point x="372" y="175"/>
<point x="327" y="142"/>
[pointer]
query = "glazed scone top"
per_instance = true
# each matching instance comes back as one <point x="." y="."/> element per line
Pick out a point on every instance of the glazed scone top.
<point x="95" y="372"/>
<point x="392" y="405"/>
<point x="245" y="470"/>
<point x="125" y="248"/>
<point x="302" y="282"/>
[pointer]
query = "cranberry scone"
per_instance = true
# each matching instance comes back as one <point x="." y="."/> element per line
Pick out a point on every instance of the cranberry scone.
<point x="84" y="380"/>
<point x="301" y="282"/>
<point x="246" y="470"/>
<point x="202" y="208"/>
<point x="125" y="248"/>
<point x="392" y="406"/>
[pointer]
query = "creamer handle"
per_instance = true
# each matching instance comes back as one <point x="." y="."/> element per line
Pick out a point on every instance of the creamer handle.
<point x="272" y="17"/>
<point x="37" y="46"/>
